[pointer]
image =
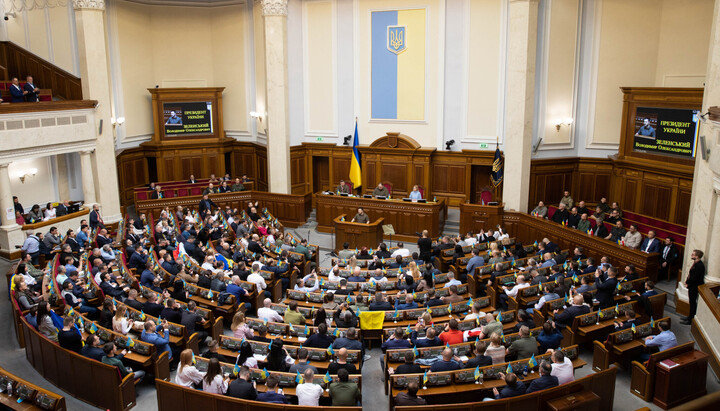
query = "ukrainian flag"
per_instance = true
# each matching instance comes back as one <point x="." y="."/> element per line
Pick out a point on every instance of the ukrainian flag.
<point x="355" y="170"/>
<point x="398" y="64"/>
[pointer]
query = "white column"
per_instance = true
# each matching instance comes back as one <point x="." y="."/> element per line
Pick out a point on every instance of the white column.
<point x="276" y="90"/>
<point x="88" y="182"/>
<point x="7" y="213"/>
<point x="520" y="101"/>
<point x="91" y="28"/>
<point x="10" y="233"/>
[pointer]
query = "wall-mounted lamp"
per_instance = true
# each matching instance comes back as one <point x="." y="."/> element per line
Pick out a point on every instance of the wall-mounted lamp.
<point x="566" y="122"/>
<point x="9" y="14"/>
<point x="117" y="121"/>
<point x="22" y="175"/>
<point x="257" y="115"/>
<point x="449" y="144"/>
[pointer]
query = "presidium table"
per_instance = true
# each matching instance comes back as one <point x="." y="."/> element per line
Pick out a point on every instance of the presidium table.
<point x="405" y="217"/>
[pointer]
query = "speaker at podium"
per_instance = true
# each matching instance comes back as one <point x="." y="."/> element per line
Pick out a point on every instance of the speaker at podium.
<point x="358" y="235"/>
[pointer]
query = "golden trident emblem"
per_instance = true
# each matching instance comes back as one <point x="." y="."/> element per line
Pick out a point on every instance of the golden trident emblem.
<point x="396" y="39"/>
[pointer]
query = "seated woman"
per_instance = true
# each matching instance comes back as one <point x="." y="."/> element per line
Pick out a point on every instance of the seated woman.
<point x="49" y="212"/>
<point x="45" y="323"/>
<point x="187" y="375"/>
<point x="120" y="323"/>
<point x="35" y="215"/>
<point x="278" y="358"/>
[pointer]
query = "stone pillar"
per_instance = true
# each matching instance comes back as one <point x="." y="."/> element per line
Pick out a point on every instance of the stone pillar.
<point x="519" y="103"/>
<point x="703" y="232"/>
<point x="6" y="201"/>
<point x="276" y="90"/>
<point x="10" y="233"/>
<point x="88" y="181"/>
<point x="90" y="22"/>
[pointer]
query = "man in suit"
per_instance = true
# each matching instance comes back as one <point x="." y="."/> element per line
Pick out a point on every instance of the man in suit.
<point x="192" y="179"/>
<point x="650" y="244"/>
<point x="630" y="319"/>
<point x="206" y="204"/>
<point x="16" y="92"/>
<point x="381" y="191"/>
<point x="561" y="214"/>
<point x="600" y="229"/>
<point x="95" y="218"/>
<point x="566" y="318"/>
<point x="242" y="387"/>
<point x="695" y="278"/>
<point x="606" y="287"/>
<point x="668" y="256"/>
<point x="545" y="381"/>
<point x="31" y="90"/>
<point x="62" y="209"/>
<point x="157" y="193"/>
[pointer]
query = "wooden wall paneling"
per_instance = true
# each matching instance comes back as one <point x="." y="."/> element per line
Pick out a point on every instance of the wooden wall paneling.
<point x="340" y="169"/>
<point x="397" y="174"/>
<point x="370" y="179"/>
<point x="682" y="211"/>
<point x="656" y="201"/>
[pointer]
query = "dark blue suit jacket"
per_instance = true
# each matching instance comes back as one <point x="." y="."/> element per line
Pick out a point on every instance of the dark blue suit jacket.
<point x="544" y="382"/>
<point x="508" y="392"/>
<point x="654" y="245"/>
<point x="17" y="95"/>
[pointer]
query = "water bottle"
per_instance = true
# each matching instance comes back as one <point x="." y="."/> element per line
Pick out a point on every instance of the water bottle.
<point x="525" y="371"/>
<point x="9" y="388"/>
<point x="480" y="380"/>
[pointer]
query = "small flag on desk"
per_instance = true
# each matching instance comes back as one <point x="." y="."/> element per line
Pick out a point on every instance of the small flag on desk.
<point x="415" y="351"/>
<point x="330" y="350"/>
<point x="425" y="378"/>
<point x="193" y="359"/>
<point x="509" y="369"/>
<point x="130" y="343"/>
<point x="236" y="369"/>
<point x="617" y="308"/>
<point x="477" y="373"/>
<point x="93" y="328"/>
<point x="264" y="373"/>
<point x="299" y="378"/>
<point x="652" y="322"/>
<point x="408" y="330"/>
<point x="633" y="328"/>
<point x="470" y="302"/>
<point x="499" y="318"/>
<point x="532" y="363"/>
<point x="326" y="378"/>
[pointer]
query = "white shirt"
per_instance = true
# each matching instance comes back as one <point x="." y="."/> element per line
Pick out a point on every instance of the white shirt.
<point x="332" y="277"/>
<point x="514" y="291"/>
<point x="564" y="372"/>
<point x="451" y="283"/>
<point x="471" y="241"/>
<point x="266" y="313"/>
<point x="471" y="316"/>
<point x="207" y="266"/>
<point x="217" y="386"/>
<point x="50" y="214"/>
<point x="188" y="376"/>
<point x="258" y="280"/>
<point x="308" y="394"/>
<point x="404" y="252"/>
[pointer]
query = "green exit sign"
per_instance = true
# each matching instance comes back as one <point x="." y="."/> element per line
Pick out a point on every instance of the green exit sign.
<point x="483" y="145"/>
<point x="319" y="139"/>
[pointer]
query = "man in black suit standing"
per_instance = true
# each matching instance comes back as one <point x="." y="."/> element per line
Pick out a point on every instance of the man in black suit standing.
<point x="16" y="92"/>
<point x="668" y="256"/>
<point x="606" y="287"/>
<point x="695" y="278"/>
<point x="32" y="92"/>
<point x="206" y="204"/>
<point x="95" y="218"/>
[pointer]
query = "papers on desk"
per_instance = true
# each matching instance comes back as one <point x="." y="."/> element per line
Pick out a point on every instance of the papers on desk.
<point x="260" y="357"/>
<point x="464" y="358"/>
<point x="302" y="339"/>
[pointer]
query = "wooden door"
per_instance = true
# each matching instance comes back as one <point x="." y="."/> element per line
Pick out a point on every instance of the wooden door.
<point x="321" y="174"/>
<point x="479" y="181"/>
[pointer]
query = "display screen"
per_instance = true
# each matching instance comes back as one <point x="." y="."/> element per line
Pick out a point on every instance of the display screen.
<point x="670" y="132"/>
<point x="187" y="119"/>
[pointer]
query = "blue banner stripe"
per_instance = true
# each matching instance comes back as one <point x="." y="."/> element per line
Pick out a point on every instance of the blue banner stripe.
<point x="384" y="67"/>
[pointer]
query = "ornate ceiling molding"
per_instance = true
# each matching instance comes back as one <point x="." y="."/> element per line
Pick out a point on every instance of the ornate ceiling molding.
<point x="89" y="4"/>
<point x="274" y="7"/>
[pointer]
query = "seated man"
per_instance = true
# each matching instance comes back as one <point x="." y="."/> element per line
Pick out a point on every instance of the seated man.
<point x="410" y="397"/>
<point x="409" y="367"/>
<point x="114" y="357"/>
<point x="381" y="191"/>
<point x="545" y="381"/>
<point x="448" y="362"/>
<point x="341" y="363"/>
<point x="524" y="347"/>
<point x="243" y="387"/>
<point x="272" y="395"/>
<point x="344" y="392"/>
<point x="663" y="341"/>
<point x="430" y="340"/>
<point x="302" y="362"/>
<point x="512" y="389"/>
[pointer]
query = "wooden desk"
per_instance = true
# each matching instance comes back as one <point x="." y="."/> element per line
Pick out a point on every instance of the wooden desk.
<point x="357" y="234"/>
<point x="474" y="217"/>
<point x="585" y="401"/>
<point x="407" y="218"/>
<point x="683" y="382"/>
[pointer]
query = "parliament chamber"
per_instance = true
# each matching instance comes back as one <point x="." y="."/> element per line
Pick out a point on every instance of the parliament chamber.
<point x="360" y="204"/>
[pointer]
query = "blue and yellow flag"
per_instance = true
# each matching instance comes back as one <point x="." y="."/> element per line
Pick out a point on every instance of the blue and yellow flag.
<point x="330" y="350"/>
<point x="193" y="359"/>
<point x="470" y="302"/>
<point x="425" y="377"/>
<point x="299" y="378"/>
<point x="408" y="330"/>
<point x="477" y="373"/>
<point x="93" y="328"/>
<point x="264" y="373"/>
<point x="617" y="308"/>
<point x="236" y="369"/>
<point x="496" y="175"/>
<point x="415" y="351"/>
<point x="130" y="343"/>
<point x="532" y="363"/>
<point x="652" y="322"/>
<point x="326" y="377"/>
<point x="499" y="318"/>
<point x="633" y="329"/>
<point x="355" y="170"/>
<point x="509" y="369"/>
